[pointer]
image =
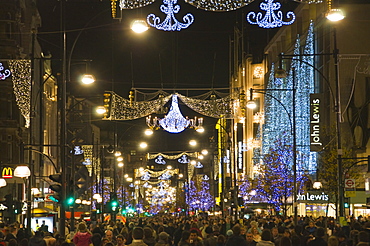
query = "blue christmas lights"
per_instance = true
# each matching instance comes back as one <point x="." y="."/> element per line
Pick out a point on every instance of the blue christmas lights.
<point x="271" y="19"/>
<point x="277" y="121"/>
<point x="170" y="23"/>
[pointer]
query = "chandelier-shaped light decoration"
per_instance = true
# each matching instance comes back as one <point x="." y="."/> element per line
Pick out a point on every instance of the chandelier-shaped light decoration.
<point x="171" y="157"/>
<point x="170" y="23"/>
<point x="5" y="74"/>
<point x="165" y="176"/>
<point x="160" y="160"/>
<point x="146" y="176"/>
<point x="219" y="5"/>
<point x="271" y="19"/>
<point x="184" y="159"/>
<point x="198" y="165"/>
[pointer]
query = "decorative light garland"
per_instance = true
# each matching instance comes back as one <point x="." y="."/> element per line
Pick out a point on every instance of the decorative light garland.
<point x="219" y="5"/>
<point x="170" y="23"/>
<point x="21" y="77"/>
<point x="271" y="19"/>
<point x="171" y="157"/>
<point x="309" y="1"/>
<point x="120" y="108"/>
<point x="133" y="4"/>
<point x="5" y="74"/>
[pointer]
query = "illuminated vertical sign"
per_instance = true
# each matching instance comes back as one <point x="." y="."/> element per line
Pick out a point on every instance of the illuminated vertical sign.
<point x="240" y="157"/>
<point x="316" y="118"/>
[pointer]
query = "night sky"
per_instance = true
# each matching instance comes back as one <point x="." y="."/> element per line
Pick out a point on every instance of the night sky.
<point x="197" y="57"/>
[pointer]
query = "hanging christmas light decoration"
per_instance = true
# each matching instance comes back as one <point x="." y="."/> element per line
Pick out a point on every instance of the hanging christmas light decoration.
<point x="77" y="150"/>
<point x="198" y="165"/>
<point x="165" y="176"/>
<point x="174" y="121"/>
<point x="133" y="4"/>
<point x="171" y="157"/>
<point x="160" y="160"/>
<point x="5" y="74"/>
<point x="271" y="19"/>
<point x="205" y="177"/>
<point x="119" y="108"/>
<point x="21" y="77"/>
<point x="219" y="5"/>
<point x="146" y="176"/>
<point x="170" y="23"/>
<point x="309" y="1"/>
<point x="184" y="159"/>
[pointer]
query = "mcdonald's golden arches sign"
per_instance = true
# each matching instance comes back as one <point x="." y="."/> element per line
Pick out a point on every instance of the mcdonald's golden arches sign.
<point x="7" y="172"/>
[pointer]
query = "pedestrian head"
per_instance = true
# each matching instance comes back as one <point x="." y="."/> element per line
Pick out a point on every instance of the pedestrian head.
<point x="266" y="235"/>
<point x="138" y="233"/>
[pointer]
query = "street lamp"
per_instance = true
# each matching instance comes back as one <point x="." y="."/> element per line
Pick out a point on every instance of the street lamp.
<point x="139" y="26"/>
<point x="2" y="182"/>
<point x="24" y="172"/>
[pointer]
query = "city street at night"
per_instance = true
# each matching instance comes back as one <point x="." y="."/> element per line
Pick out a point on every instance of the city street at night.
<point x="185" y="122"/>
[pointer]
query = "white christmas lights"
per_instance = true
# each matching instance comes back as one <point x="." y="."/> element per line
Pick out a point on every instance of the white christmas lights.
<point x="21" y="77"/>
<point x="271" y="19"/>
<point x="219" y="5"/>
<point x="170" y="23"/>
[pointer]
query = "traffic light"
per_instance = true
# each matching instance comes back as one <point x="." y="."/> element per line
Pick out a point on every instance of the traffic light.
<point x="17" y="207"/>
<point x="70" y="200"/>
<point x="56" y="187"/>
<point x="113" y="203"/>
<point x="346" y="202"/>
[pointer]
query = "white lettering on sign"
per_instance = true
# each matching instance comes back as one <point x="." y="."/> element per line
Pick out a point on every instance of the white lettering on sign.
<point x="315" y="122"/>
<point x="313" y="197"/>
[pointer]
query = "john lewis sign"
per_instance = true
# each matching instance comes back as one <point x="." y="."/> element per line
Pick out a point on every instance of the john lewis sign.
<point x="316" y="122"/>
<point x="313" y="197"/>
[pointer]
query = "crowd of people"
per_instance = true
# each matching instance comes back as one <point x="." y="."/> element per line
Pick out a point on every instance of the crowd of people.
<point x="168" y="230"/>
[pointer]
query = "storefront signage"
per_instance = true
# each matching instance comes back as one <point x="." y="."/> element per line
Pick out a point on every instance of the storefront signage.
<point x="240" y="157"/>
<point x="316" y="122"/>
<point x="7" y="173"/>
<point x="313" y="197"/>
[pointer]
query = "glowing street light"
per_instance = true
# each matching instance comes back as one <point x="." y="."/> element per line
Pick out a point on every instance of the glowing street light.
<point x="193" y="142"/>
<point x="139" y="26"/>
<point x="88" y="79"/>
<point x="143" y="145"/>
